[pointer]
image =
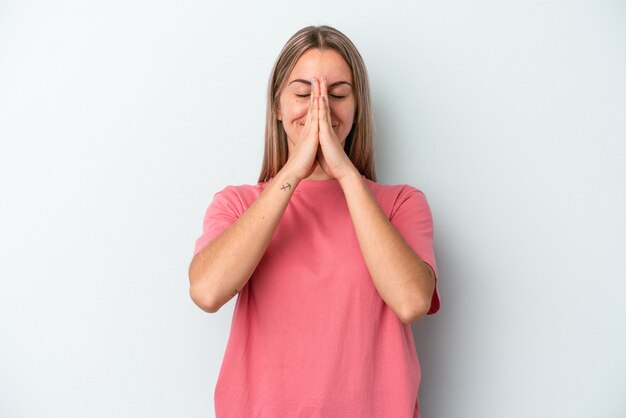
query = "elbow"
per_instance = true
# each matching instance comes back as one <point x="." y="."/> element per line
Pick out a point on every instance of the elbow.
<point x="199" y="294"/>
<point x="202" y="301"/>
<point x="414" y="312"/>
<point x="417" y="307"/>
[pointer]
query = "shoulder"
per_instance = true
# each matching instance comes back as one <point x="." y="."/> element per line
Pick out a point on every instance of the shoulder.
<point x="399" y="200"/>
<point x="241" y="190"/>
<point x="394" y="193"/>
<point x="238" y="197"/>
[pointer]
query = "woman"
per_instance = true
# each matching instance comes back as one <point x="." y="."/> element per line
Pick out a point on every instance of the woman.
<point x="330" y="267"/>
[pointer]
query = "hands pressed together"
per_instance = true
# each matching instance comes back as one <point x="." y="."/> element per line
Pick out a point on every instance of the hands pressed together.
<point x="318" y="144"/>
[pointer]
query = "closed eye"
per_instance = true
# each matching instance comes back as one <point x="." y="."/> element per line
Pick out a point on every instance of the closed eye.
<point x="332" y="96"/>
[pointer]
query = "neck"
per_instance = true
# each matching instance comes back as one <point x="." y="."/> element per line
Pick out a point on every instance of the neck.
<point x="318" y="174"/>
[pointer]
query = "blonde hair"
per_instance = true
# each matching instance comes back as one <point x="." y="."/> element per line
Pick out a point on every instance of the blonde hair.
<point x="360" y="141"/>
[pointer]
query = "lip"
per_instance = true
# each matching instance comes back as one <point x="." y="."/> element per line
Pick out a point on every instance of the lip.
<point x="334" y="126"/>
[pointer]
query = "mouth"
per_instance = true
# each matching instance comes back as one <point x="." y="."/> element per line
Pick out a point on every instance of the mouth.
<point x="334" y="126"/>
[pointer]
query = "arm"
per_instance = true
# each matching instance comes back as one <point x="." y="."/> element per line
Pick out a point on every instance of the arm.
<point x="223" y="267"/>
<point x="402" y="279"/>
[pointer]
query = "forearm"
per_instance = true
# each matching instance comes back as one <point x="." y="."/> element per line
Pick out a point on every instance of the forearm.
<point x="401" y="278"/>
<point x="224" y="266"/>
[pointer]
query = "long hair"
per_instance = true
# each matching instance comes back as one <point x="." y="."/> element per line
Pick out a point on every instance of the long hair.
<point x="359" y="144"/>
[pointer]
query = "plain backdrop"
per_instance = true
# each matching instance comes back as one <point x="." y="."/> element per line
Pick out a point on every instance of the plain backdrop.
<point x="119" y="120"/>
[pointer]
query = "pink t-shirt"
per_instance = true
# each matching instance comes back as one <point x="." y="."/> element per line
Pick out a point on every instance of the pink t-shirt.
<point x="310" y="335"/>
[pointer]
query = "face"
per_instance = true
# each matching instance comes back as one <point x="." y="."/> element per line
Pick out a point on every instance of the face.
<point x="295" y="98"/>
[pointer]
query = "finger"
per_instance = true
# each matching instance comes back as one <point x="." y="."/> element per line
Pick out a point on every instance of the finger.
<point x="316" y="86"/>
<point x="316" y="92"/>
<point x="329" y="121"/>
<point x="324" y="116"/>
<point x="309" y="113"/>
<point x="315" y="114"/>
<point x="325" y="111"/>
<point x="312" y="105"/>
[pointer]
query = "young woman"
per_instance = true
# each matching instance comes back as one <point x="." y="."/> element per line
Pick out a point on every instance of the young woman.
<point x="330" y="267"/>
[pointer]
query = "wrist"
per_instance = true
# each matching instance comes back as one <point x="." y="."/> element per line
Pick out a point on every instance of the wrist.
<point x="287" y="178"/>
<point x="351" y="178"/>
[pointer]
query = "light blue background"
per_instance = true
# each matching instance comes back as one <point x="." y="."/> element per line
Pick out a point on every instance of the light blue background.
<point x="119" y="120"/>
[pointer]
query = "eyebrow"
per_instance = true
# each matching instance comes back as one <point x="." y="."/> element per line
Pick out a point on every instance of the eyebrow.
<point x="335" y="84"/>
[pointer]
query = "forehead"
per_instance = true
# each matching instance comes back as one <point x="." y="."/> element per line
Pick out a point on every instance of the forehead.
<point x="318" y="63"/>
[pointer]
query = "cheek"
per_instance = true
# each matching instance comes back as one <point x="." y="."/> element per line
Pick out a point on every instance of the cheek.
<point x="295" y="110"/>
<point x="346" y="113"/>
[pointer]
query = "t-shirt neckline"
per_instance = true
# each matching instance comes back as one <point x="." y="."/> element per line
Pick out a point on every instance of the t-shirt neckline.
<point x="328" y="184"/>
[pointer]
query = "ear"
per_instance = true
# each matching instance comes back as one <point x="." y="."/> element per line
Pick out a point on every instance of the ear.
<point x="279" y="114"/>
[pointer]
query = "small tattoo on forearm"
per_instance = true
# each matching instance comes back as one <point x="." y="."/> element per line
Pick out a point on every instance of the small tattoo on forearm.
<point x="286" y="187"/>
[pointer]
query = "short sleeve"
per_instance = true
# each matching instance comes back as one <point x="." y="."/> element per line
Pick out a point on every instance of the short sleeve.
<point x="412" y="218"/>
<point x="220" y="215"/>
